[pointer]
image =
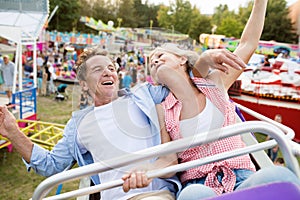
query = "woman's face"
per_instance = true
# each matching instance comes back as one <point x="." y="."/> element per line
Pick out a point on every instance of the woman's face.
<point x="163" y="61"/>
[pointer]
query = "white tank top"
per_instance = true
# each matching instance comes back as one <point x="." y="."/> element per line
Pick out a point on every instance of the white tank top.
<point x="210" y="118"/>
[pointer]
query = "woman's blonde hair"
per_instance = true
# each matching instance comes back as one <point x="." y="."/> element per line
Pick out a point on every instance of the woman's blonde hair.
<point x="191" y="56"/>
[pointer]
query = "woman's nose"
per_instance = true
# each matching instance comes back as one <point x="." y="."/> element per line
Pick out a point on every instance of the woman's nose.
<point x="154" y="62"/>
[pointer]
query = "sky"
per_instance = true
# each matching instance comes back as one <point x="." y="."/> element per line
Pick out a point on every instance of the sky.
<point x="207" y="6"/>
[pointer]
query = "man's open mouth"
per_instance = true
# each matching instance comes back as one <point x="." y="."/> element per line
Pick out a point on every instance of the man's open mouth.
<point x="107" y="83"/>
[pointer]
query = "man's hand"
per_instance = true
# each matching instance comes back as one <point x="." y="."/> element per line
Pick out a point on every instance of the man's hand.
<point x="8" y="122"/>
<point x="135" y="179"/>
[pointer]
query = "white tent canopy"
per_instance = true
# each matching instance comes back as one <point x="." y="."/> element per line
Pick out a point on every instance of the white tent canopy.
<point x="5" y="49"/>
<point x="22" y="21"/>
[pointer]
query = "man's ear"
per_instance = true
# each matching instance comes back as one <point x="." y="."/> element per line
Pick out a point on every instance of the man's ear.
<point x="83" y="85"/>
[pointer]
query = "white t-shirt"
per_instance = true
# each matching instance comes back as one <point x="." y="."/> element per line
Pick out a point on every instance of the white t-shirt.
<point x="113" y="130"/>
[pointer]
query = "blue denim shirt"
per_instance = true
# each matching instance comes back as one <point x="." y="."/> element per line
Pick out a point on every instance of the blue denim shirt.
<point x="67" y="150"/>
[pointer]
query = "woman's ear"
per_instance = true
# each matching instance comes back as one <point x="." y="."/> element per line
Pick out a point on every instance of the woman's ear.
<point x="183" y="60"/>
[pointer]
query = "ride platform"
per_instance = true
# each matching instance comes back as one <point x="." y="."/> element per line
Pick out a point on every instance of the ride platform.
<point x="44" y="134"/>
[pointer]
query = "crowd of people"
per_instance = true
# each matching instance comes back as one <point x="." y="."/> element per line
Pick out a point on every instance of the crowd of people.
<point x="189" y="97"/>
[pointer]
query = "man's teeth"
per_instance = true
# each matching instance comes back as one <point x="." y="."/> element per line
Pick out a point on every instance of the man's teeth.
<point x="107" y="83"/>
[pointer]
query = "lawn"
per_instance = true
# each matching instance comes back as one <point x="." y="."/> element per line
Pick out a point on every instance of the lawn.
<point x="16" y="182"/>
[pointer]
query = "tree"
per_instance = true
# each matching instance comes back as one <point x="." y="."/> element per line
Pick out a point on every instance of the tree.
<point x="67" y="15"/>
<point x="219" y="13"/>
<point x="230" y="26"/>
<point x="178" y="16"/>
<point x="141" y="12"/>
<point x="278" y="25"/>
<point x="182" y="16"/>
<point x="88" y="9"/>
<point x="153" y="10"/>
<point x="199" y="24"/>
<point x="105" y="11"/>
<point x="125" y="11"/>
<point x="163" y="16"/>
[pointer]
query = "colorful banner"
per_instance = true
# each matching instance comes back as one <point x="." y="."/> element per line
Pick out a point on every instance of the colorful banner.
<point x="267" y="47"/>
<point x="264" y="47"/>
<point x="76" y="38"/>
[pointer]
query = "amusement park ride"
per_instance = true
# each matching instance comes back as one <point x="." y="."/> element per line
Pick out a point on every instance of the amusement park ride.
<point x="43" y="133"/>
<point x="282" y="135"/>
<point x="47" y="134"/>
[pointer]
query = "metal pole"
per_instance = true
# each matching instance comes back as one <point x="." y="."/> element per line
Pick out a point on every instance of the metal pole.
<point x="52" y="14"/>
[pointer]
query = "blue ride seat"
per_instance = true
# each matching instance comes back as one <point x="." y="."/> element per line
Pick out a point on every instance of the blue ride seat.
<point x="272" y="191"/>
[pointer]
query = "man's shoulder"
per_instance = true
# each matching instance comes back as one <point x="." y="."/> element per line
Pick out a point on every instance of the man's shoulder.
<point x="79" y="114"/>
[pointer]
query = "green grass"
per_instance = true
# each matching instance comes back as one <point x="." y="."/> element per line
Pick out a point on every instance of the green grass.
<point x="261" y="137"/>
<point x="16" y="182"/>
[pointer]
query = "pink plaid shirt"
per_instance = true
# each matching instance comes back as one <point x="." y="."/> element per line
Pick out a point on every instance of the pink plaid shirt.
<point x="172" y="109"/>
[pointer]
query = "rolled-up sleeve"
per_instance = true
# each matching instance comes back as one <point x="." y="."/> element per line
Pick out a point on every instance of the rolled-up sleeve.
<point x="158" y="93"/>
<point x="47" y="163"/>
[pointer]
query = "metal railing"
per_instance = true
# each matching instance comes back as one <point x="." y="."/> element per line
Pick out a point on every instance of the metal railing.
<point x="283" y="140"/>
<point x="25" y="100"/>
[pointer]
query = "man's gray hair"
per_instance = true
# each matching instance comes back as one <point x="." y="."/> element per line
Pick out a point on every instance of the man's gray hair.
<point x="84" y="56"/>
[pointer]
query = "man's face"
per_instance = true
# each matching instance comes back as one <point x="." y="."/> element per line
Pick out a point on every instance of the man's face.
<point x="278" y="119"/>
<point x="101" y="79"/>
<point x="6" y="60"/>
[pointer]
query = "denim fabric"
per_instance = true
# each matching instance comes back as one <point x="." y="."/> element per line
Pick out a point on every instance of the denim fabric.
<point x="195" y="190"/>
<point x="270" y="174"/>
<point x="192" y="188"/>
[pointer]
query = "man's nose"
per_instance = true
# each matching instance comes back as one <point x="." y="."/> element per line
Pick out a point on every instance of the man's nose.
<point x="107" y="72"/>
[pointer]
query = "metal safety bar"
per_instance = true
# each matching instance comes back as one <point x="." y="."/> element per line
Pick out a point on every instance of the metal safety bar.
<point x="287" y="130"/>
<point x="171" y="147"/>
<point x="295" y="147"/>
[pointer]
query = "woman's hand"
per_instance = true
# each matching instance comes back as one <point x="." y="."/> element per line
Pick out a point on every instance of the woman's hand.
<point x="220" y="59"/>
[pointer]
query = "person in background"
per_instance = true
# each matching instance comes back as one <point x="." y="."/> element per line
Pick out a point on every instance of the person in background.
<point x="84" y="100"/>
<point x="133" y="72"/>
<point x="120" y="80"/>
<point x="141" y="78"/>
<point x="273" y="152"/>
<point x="266" y="62"/>
<point x="7" y="69"/>
<point x="39" y="79"/>
<point x="1" y="76"/>
<point x="127" y="80"/>
<point x="28" y="69"/>
<point x="47" y="79"/>
<point x="279" y="161"/>
<point x="1" y="59"/>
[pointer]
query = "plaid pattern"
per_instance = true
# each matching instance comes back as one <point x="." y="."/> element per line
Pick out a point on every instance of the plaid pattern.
<point x="172" y="108"/>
